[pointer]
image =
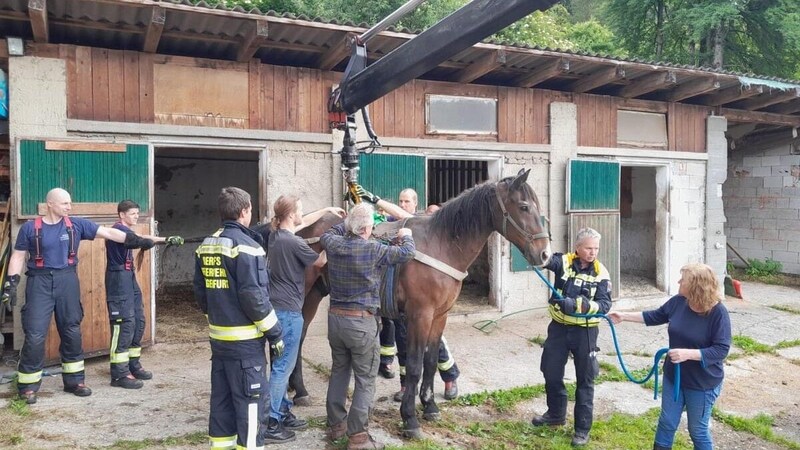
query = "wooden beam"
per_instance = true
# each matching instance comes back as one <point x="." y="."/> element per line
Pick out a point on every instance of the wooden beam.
<point x="732" y="94"/>
<point x="649" y="83"/>
<point x="738" y="115"/>
<point x="254" y="38"/>
<point x="634" y="104"/>
<point x="770" y="98"/>
<point x="158" y="17"/>
<point x="85" y="209"/>
<point x="599" y="78"/>
<point x="336" y="53"/>
<point x="548" y="70"/>
<point x="480" y="68"/>
<point x="84" y="146"/>
<point x="37" y="11"/>
<point x="691" y="88"/>
<point x="785" y="108"/>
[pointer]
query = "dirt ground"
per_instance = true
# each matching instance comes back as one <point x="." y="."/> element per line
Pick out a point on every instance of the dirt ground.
<point x="175" y="402"/>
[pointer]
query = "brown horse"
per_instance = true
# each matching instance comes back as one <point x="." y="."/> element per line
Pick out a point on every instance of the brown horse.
<point x="455" y="236"/>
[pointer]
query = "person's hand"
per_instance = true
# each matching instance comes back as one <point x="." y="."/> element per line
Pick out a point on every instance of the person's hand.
<point x="679" y="355"/>
<point x="581" y="304"/>
<point x="276" y="349"/>
<point x="174" y="240"/>
<point x="567" y="305"/>
<point x="615" y="317"/>
<point x="364" y="194"/>
<point x="338" y="211"/>
<point x="402" y="232"/>
<point x="132" y="240"/>
<point x="10" y="290"/>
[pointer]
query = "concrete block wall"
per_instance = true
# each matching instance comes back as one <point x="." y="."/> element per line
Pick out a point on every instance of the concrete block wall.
<point x="309" y="171"/>
<point x="716" y="173"/>
<point x="687" y="217"/>
<point x="762" y="202"/>
<point x="37" y="97"/>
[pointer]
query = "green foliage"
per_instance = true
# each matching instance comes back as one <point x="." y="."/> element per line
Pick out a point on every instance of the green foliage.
<point x="765" y="268"/>
<point x="19" y="407"/>
<point x="593" y="37"/>
<point x="199" y="437"/>
<point x="751" y="346"/>
<point x="760" y="425"/>
<point x="785" y="308"/>
<point x="502" y="400"/>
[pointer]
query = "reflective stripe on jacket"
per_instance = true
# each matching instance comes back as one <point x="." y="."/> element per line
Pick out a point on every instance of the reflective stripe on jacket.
<point x="592" y="282"/>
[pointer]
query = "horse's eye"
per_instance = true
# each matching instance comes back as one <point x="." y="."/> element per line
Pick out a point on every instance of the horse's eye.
<point x="524" y="208"/>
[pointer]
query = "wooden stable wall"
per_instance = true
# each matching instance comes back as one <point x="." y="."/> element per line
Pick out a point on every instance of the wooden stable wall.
<point x="95" y="328"/>
<point x="193" y="91"/>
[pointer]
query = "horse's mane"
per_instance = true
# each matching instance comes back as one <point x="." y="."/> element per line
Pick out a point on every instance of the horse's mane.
<point x="468" y="214"/>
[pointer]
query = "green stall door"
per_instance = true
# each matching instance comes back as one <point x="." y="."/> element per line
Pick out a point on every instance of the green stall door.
<point x="89" y="176"/>
<point x="385" y="175"/>
<point x="593" y="185"/>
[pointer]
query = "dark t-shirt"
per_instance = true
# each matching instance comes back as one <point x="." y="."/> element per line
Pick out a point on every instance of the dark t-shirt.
<point x="288" y="256"/>
<point x="710" y="333"/>
<point x="116" y="252"/>
<point x="55" y="241"/>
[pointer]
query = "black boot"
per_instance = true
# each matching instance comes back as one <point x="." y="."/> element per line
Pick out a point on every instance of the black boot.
<point x="291" y="422"/>
<point x="276" y="433"/>
<point x="658" y="447"/>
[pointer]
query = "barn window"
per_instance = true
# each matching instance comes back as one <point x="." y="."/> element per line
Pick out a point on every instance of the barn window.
<point x="449" y="114"/>
<point x="641" y="129"/>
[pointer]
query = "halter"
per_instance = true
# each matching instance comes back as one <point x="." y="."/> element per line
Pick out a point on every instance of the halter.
<point x="508" y="219"/>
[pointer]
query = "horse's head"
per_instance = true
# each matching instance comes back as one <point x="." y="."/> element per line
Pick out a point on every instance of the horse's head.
<point x="521" y="220"/>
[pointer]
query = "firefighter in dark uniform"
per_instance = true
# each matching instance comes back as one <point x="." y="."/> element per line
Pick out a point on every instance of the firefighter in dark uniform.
<point x="124" y="300"/>
<point x="584" y="286"/>
<point x="52" y="286"/>
<point x="231" y="287"/>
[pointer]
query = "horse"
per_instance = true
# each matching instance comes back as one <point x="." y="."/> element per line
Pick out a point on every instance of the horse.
<point x="454" y="235"/>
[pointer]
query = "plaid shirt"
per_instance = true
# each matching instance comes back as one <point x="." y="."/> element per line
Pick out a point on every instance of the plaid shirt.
<point x="354" y="266"/>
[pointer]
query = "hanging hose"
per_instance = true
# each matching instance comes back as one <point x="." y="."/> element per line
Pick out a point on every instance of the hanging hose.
<point x="656" y="359"/>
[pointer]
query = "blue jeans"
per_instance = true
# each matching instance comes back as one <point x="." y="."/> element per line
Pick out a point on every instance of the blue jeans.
<point x="698" y="413"/>
<point x="292" y="325"/>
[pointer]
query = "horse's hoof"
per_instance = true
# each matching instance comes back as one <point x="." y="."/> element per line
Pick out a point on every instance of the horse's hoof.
<point x="412" y="433"/>
<point x="302" y="401"/>
<point x="432" y="416"/>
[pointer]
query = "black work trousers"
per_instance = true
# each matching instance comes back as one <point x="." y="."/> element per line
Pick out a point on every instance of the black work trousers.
<point x="48" y="292"/>
<point x="126" y="315"/>
<point x="237" y="402"/>
<point x="446" y="364"/>
<point x="581" y="342"/>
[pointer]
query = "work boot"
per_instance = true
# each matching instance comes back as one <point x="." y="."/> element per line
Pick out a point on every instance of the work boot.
<point x="580" y="438"/>
<point x="291" y="422"/>
<point x="128" y="382"/>
<point x="546" y="419"/>
<point x="450" y="390"/>
<point x="274" y="433"/>
<point x="337" y="431"/>
<point x="142" y="374"/>
<point x="385" y="370"/>
<point x="79" y="389"/>
<point x="29" y="397"/>
<point x="660" y="447"/>
<point x="398" y="396"/>
<point x="363" y="440"/>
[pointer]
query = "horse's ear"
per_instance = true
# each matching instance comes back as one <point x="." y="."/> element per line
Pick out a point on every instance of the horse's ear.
<point x="522" y="177"/>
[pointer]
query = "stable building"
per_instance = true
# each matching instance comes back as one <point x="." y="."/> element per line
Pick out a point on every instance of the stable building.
<point x="165" y="103"/>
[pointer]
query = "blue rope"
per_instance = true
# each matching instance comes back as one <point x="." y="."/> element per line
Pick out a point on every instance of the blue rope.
<point x="656" y="359"/>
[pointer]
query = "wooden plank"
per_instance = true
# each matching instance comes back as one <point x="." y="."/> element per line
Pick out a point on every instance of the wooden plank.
<point x="543" y="73"/>
<point x="303" y="100"/>
<point x="280" y="108"/>
<point x="292" y="99"/>
<point x="732" y="94"/>
<point x="147" y="110"/>
<point x="399" y="112"/>
<point x="736" y="115"/>
<point x="480" y="68"/>
<point x="83" y="80"/>
<point x="691" y="89"/>
<point x="158" y="17"/>
<point x="672" y="137"/>
<point x="84" y="146"/>
<point x="336" y="53"/>
<point x="768" y="99"/>
<point x="388" y="114"/>
<point x="255" y="36"/>
<point x="200" y="96"/>
<point x="315" y="96"/>
<point x="633" y="104"/>
<point x="598" y="78"/>
<point x="67" y="53"/>
<point x="255" y="95"/>
<point x="268" y="102"/>
<point x="649" y="83"/>
<point x="785" y="108"/>
<point x="85" y="209"/>
<point x="519" y="136"/>
<point x="503" y="111"/>
<point x="100" y="84"/>
<point x="130" y="75"/>
<point x="37" y="11"/>
<point x="116" y="86"/>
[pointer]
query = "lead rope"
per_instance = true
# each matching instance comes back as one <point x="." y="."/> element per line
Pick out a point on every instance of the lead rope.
<point x="656" y="359"/>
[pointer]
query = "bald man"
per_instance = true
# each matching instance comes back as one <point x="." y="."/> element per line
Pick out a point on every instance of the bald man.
<point x="52" y="242"/>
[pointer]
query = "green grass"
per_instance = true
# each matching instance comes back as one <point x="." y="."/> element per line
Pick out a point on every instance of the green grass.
<point x="787" y="344"/>
<point x="19" y="407"/>
<point x="750" y="346"/>
<point x="785" y="308"/>
<point x="199" y="437"/>
<point x="321" y="369"/>
<point x="502" y="400"/>
<point x="760" y="425"/>
<point x="539" y="339"/>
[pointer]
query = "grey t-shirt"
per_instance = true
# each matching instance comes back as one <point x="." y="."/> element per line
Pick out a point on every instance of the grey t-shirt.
<point x="288" y="257"/>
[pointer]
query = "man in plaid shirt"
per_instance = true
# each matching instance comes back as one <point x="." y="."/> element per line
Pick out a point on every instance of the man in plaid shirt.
<point x="353" y="269"/>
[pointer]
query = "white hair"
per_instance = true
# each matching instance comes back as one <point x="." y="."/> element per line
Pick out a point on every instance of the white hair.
<point x="359" y="218"/>
<point x="586" y="233"/>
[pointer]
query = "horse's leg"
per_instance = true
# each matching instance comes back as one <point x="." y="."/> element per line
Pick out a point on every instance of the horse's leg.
<point x="296" y="383"/>
<point x="430" y="411"/>
<point x="419" y="324"/>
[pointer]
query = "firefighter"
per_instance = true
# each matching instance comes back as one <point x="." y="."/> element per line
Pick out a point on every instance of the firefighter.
<point x="52" y="242"/>
<point x="584" y="287"/>
<point x="231" y="287"/>
<point x="124" y="300"/>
